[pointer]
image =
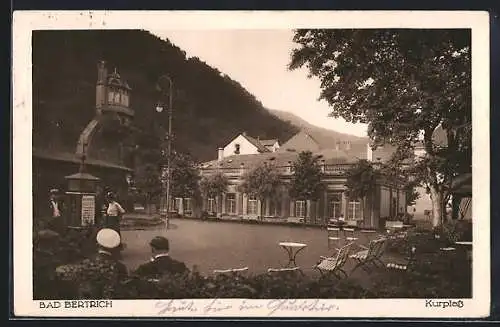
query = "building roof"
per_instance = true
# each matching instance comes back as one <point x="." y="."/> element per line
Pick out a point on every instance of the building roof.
<point x="85" y="176"/>
<point x="73" y="158"/>
<point x="302" y="141"/>
<point x="270" y="142"/>
<point x="331" y="156"/>
<point x="260" y="147"/>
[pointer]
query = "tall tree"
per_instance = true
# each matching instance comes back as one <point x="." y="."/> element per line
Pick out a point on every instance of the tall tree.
<point x="306" y="179"/>
<point x="405" y="84"/>
<point x="361" y="179"/>
<point x="262" y="182"/>
<point x="214" y="185"/>
<point x="147" y="181"/>
<point x="185" y="176"/>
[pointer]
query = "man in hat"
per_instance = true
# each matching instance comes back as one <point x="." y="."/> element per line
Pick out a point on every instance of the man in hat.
<point x="161" y="263"/>
<point x="99" y="277"/>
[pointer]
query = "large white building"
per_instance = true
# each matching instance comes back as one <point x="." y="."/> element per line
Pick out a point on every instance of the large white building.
<point x="246" y="144"/>
<point x="388" y="199"/>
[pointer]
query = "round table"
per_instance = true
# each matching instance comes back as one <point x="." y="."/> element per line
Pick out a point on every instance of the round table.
<point x="292" y="249"/>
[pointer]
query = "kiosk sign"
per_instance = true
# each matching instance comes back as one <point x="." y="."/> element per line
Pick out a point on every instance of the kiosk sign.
<point x="88" y="210"/>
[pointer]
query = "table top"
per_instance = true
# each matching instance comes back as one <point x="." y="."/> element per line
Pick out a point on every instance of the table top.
<point x="463" y="243"/>
<point x="293" y="244"/>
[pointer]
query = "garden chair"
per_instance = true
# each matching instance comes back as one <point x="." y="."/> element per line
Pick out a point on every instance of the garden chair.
<point x="370" y="255"/>
<point x="333" y="235"/>
<point x="333" y="266"/>
<point x="230" y="271"/>
<point x="350" y="235"/>
<point x="283" y="270"/>
<point x="407" y="264"/>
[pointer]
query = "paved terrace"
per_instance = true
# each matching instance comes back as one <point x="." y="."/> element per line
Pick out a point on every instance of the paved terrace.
<point x="220" y="245"/>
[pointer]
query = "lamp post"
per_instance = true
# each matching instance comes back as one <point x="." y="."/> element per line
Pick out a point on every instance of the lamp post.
<point x="165" y="173"/>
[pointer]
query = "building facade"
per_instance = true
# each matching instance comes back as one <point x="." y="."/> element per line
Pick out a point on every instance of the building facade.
<point x="387" y="200"/>
<point x="246" y="144"/>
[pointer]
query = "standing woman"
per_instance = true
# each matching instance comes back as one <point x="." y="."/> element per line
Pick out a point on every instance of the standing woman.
<point x="114" y="213"/>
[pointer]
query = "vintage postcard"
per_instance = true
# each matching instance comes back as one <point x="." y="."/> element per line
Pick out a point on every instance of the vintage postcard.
<point x="251" y="164"/>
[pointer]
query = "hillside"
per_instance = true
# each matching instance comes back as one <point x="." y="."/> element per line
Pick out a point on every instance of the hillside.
<point x="209" y="108"/>
<point x="318" y="132"/>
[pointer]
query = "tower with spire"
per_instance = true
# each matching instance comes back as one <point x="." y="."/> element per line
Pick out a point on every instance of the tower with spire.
<point x="113" y="94"/>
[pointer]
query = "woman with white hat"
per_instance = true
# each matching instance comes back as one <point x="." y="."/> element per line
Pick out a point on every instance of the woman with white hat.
<point x="114" y="213"/>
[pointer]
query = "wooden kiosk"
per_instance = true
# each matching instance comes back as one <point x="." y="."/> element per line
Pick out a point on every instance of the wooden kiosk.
<point x="81" y="195"/>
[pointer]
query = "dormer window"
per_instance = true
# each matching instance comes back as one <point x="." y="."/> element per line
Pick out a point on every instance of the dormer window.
<point x="237" y="148"/>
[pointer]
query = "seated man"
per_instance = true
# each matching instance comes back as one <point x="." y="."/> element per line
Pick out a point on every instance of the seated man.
<point x="161" y="263"/>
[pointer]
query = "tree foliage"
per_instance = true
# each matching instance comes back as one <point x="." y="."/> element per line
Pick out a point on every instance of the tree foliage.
<point x="147" y="180"/>
<point x="261" y="182"/>
<point x="306" y="179"/>
<point x="214" y="185"/>
<point x="185" y="176"/>
<point x="361" y="179"/>
<point x="406" y="85"/>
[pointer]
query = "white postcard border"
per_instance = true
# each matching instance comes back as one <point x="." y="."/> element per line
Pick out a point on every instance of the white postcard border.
<point x="24" y="22"/>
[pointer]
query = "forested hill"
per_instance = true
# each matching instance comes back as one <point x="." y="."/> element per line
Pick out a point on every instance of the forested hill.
<point x="209" y="108"/>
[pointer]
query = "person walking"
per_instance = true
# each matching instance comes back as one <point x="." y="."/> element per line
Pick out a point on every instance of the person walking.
<point x="114" y="213"/>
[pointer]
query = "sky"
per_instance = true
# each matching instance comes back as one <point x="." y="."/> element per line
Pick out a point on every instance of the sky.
<point x="258" y="60"/>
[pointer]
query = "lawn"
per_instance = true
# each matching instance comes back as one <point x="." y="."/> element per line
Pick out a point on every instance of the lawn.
<point x="220" y="245"/>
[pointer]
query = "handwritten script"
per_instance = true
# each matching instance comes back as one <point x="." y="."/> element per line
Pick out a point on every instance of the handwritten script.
<point x="261" y="308"/>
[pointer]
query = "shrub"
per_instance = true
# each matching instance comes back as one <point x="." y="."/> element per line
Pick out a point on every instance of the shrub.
<point x="454" y="230"/>
<point x="261" y="286"/>
<point x="433" y="276"/>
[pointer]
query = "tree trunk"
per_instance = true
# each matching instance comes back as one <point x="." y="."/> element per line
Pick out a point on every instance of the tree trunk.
<point x="437" y="206"/>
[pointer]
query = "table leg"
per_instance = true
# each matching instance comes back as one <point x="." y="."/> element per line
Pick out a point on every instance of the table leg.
<point x="289" y="251"/>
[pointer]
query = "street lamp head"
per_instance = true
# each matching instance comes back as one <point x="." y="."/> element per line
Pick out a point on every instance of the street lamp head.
<point x="159" y="108"/>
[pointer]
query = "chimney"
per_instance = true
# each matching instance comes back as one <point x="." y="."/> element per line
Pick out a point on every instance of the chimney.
<point x="244" y="133"/>
<point x="323" y="165"/>
<point x="220" y="154"/>
<point x="348" y="145"/>
<point x="369" y="152"/>
<point x="289" y="167"/>
<point x="337" y="145"/>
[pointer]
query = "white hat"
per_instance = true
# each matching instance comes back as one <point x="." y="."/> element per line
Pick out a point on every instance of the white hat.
<point x="108" y="238"/>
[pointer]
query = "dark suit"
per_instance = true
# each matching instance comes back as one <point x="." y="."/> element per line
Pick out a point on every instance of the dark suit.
<point x="160" y="266"/>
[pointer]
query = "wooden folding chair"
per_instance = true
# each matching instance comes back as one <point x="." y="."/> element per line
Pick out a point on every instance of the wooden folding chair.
<point x="350" y="235"/>
<point x="407" y="264"/>
<point x="369" y="256"/>
<point x="333" y="235"/>
<point x="333" y="266"/>
<point x="230" y="271"/>
<point x="285" y="271"/>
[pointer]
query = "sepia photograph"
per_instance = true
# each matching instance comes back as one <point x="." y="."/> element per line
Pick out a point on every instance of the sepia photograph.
<point x="251" y="170"/>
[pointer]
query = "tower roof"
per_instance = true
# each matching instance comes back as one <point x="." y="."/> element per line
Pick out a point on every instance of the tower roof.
<point x="115" y="79"/>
